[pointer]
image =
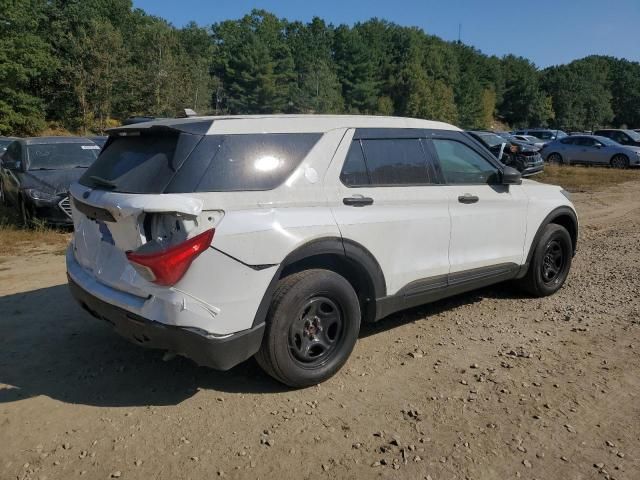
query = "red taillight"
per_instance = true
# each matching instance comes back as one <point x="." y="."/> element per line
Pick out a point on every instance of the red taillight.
<point x="168" y="266"/>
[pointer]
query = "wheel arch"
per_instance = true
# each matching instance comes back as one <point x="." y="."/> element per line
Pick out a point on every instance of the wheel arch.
<point x="347" y="258"/>
<point x="564" y="216"/>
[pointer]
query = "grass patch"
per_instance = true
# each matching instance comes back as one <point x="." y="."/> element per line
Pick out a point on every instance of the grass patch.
<point x="15" y="239"/>
<point x="585" y="179"/>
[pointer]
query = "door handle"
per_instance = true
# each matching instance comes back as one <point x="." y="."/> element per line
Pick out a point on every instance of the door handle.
<point x="467" y="198"/>
<point x="357" y="201"/>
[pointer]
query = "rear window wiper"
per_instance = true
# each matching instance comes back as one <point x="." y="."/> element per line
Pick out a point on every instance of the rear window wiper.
<point x="103" y="182"/>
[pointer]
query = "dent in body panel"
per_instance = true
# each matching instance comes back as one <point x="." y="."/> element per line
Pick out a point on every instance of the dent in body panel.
<point x="246" y="234"/>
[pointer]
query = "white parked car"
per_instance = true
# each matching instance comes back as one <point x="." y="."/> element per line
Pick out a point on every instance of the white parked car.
<point x="220" y="238"/>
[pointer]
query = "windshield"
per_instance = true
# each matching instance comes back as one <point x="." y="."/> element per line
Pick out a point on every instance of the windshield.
<point x="634" y="135"/>
<point x="59" y="156"/>
<point x="4" y="144"/>
<point x="490" y="139"/>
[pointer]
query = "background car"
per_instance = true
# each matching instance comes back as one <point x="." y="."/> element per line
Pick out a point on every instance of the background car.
<point x="591" y="150"/>
<point x="36" y="174"/>
<point x="542" y="133"/>
<point x="519" y="155"/>
<point x="621" y="136"/>
<point x="530" y="140"/>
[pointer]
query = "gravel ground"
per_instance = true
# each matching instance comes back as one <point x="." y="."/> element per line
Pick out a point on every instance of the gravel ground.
<point x="488" y="385"/>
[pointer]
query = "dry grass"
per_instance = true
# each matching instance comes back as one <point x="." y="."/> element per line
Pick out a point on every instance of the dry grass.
<point x="17" y="240"/>
<point x="586" y="179"/>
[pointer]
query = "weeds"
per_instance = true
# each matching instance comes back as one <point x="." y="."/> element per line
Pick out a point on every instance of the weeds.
<point x="586" y="179"/>
<point x="15" y="239"/>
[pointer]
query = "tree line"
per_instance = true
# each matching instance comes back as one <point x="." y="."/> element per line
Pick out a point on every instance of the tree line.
<point x="83" y="65"/>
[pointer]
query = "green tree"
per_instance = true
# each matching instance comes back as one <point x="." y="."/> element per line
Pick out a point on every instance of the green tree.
<point x="26" y="61"/>
<point x="254" y="64"/>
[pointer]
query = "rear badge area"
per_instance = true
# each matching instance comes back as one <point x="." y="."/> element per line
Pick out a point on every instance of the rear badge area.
<point x="105" y="234"/>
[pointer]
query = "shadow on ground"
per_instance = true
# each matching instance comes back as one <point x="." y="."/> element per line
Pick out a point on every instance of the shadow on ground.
<point x="51" y="347"/>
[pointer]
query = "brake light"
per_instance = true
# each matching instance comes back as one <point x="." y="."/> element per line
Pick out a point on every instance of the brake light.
<point x="168" y="266"/>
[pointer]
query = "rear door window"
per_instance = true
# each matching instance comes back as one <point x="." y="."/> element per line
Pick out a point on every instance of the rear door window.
<point x="396" y="161"/>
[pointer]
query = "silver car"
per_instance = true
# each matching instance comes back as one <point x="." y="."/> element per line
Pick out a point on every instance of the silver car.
<point x="591" y="150"/>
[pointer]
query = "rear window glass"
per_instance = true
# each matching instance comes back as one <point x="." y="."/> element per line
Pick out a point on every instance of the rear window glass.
<point x="143" y="163"/>
<point x="57" y="156"/>
<point x="255" y="161"/>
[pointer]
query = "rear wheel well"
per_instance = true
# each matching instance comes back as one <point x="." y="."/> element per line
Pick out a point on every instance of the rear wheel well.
<point x="354" y="273"/>
<point x="569" y="224"/>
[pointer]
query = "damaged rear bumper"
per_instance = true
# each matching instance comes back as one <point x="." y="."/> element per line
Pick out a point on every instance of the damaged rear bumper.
<point x="218" y="352"/>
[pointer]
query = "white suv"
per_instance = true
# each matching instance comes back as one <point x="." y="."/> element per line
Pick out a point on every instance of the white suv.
<point x="220" y="238"/>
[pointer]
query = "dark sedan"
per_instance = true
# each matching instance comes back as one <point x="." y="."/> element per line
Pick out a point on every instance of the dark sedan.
<point x="523" y="157"/>
<point x="36" y="173"/>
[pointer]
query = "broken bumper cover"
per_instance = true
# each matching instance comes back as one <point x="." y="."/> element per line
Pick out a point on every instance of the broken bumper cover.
<point x="220" y="353"/>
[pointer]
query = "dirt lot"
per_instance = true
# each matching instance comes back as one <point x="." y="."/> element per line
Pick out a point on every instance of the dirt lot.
<point x="489" y="385"/>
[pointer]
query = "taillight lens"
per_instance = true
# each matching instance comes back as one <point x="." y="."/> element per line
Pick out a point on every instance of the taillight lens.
<point x="168" y="266"/>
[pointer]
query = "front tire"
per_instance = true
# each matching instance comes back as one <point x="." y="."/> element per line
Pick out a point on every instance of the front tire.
<point x="555" y="158"/>
<point x="619" y="161"/>
<point x="3" y="197"/>
<point x="550" y="263"/>
<point x="26" y="217"/>
<point x="312" y="327"/>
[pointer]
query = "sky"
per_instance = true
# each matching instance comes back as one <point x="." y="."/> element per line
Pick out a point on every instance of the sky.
<point x="548" y="32"/>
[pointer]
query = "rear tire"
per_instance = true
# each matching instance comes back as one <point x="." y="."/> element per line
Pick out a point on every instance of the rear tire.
<point x="550" y="262"/>
<point x="312" y="327"/>
<point x="619" y="161"/>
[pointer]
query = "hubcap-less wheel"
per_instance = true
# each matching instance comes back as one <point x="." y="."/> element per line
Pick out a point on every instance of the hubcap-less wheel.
<point x="552" y="261"/>
<point x="315" y="334"/>
<point x="619" y="161"/>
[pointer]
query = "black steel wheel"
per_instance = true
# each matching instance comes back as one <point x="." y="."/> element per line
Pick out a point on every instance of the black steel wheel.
<point x="312" y="327"/>
<point x="550" y="261"/>
<point x="316" y="332"/>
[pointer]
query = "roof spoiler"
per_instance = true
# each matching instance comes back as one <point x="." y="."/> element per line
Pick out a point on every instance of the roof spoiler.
<point x="193" y="126"/>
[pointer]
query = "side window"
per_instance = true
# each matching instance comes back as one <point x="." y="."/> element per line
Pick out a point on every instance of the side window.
<point x="462" y="165"/>
<point x="262" y="161"/>
<point x="619" y="137"/>
<point x="354" y="171"/>
<point x="396" y="161"/>
<point x="568" y="141"/>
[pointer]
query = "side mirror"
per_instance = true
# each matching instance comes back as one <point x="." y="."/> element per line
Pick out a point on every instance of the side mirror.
<point x="511" y="176"/>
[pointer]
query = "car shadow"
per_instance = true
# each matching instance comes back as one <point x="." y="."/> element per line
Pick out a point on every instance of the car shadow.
<point x="51" y="347"/>
<point x="505" y="290"/>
